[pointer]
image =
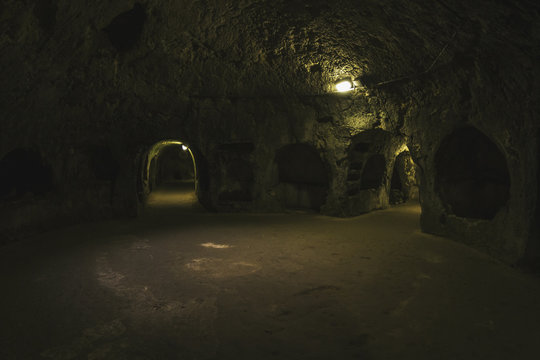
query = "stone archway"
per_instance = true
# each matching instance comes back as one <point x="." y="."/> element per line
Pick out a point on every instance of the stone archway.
<point x="403" y="186"/>
<point x="303" y="178"/>
<point x="236" y="175"/>
<point x="367" y="173"/>
<point x="24" y="171"/>
<point x="373" y="173"/>
<point x="472" y="177"/>
<point x="169" y="172"/>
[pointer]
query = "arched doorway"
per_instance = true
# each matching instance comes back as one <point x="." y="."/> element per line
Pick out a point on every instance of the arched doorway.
<point x="403" y="185"/>
<point x="302" y="176"/>
<point x="373" y="173"/>
<point x="367" y="162"/>
<point x="22" y="172"/>
<point x="169" y="175"/>
<point x="472" y="177"/>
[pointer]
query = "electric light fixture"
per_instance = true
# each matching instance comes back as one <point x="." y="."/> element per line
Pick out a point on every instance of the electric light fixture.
<point x="344" y="85"/>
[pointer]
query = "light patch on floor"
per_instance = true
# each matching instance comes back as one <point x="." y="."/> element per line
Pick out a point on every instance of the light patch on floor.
<point x="216" y="246"/>
<point x="179" y="195"/>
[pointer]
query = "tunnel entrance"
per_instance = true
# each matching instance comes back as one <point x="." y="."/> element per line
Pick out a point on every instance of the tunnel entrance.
<point x="397" y="195"/>
<point x="472" y="177"/>
<point x="125" y="30"/>
<point x="373" y="173"/>
<point x="302" y="177"/>
<point x="22" y="172"/>
<point x="236" y="174"/>
<point x="170" y="176"/>
<point x="367" y="164"/>
<point x="403" y="186"/>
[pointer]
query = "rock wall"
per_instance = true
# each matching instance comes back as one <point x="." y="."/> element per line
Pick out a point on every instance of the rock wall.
<point x="92" y="88"/>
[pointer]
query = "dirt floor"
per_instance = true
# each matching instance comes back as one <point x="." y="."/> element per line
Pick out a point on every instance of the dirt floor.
<point x="180" y="283"/>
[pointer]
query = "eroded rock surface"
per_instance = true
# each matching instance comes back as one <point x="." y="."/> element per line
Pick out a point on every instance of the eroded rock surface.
<point x="90" y="89"/>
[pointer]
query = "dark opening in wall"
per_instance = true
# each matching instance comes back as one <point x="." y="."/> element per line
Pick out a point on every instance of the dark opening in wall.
<point x="373" y="173"/>
<point x="237" y="177"/>
<point x="355" y="171"/>
<point x="24" y="171"/>
<point x="45" y="12"/>
<point x="361" y="147"/>
<point x="240" y="173"/>
<point x="125" y="30"/>
<point x="403" y="184"/>
<point x="367" y="165"/>
<point x="303" y="175"/>
<point x="396" y="181"/>
<point x="169" y="176"/>
<point x="396" y="187"/>
<point x="357" y="154"/>
<point x="103" y="163"/>
<point x="472" y="176"/>
<point x="174" y="164"/>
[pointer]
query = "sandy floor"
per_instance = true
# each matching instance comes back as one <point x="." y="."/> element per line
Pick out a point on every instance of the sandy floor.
<point x="192" y="285"/>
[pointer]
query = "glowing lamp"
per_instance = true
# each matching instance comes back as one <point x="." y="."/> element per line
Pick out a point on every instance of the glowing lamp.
<point x="344" y="86"/>
<point x="184" y="147"/>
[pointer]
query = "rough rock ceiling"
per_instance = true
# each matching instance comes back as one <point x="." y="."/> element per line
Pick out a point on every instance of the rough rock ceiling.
<point x="299" y="45"/>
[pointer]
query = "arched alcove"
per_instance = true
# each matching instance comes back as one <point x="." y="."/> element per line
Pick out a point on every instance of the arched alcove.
<point x="125" y="29"/>
<point x="472" y="177"/>
<point x="103" y="163"/>
<point x="174" y="165"/>
<point x="303" y="176"/>
<point x="367" y="165"/>
<point x="396" y="186"/>
<point x="169" y="174"/>
<point x="403" y="182"/>
<point x="373" y="172"/>
<point x="24" y="171"/>
<point x="45" y="12"/>
<point x="236" y="175"/>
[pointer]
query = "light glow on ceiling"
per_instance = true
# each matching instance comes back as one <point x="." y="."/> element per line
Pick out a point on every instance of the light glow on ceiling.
<point x="344" y="86"/>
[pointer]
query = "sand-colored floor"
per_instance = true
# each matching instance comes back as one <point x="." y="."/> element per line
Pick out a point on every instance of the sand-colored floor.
<point x="176" y="284"/>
